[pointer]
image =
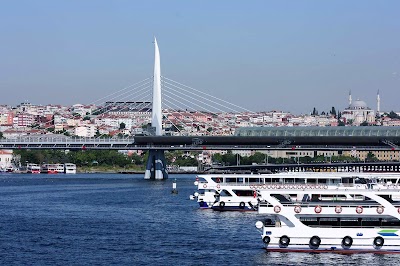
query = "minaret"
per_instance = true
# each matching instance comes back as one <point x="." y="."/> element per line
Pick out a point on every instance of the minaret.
<point x="378" y="103"/>
<point x="156" y="166"/>
<point x="349" y="97"/>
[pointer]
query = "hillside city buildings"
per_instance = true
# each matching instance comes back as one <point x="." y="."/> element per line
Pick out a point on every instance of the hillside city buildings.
<point x="133" y="118"/>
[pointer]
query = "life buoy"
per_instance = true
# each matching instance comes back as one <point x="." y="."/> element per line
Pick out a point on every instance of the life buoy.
<point x="218" y="180"/>
<point x="284" y="241"/>
<point x="266" y="239"/>
<point x="222" y="204"/>
<point x="241" y="205"/>
<point x="378" y="242"/>
<point x="318" y="209"/>
<point x="359" y="209"/>
<point x="277" y="209"/>
<point x="315" y="241"/>
<point x="325" y="187"/>
<point x="297" y="209"/>
<point x="218" y="186"/>
<point x="264" y="186"/>
<point x="347" y="242"/>
<point x="269" y="186"/>
<point x="380" y="210"/>
<point x="255" y="194"/>
<point x="338" y="209"/>
<point x="205" y="186"/>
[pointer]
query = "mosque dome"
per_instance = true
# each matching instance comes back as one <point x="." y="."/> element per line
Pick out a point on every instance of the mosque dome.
<point x="358" y="104"/>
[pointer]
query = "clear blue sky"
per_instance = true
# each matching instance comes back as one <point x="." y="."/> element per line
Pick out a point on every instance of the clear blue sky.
<point x="262" y="55"/>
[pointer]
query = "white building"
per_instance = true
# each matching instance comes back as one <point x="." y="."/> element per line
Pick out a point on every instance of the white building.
<point x="5" y="159"/>
<point x="85" y="131"/>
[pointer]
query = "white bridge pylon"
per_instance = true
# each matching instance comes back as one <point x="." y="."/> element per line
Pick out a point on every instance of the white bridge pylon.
<point x="156" y="166"/>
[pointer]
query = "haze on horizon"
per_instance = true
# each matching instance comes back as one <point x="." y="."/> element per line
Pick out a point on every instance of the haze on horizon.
<point x="261" y="55"/>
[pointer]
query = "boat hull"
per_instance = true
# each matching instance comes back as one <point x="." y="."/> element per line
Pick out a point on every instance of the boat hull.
<point x="338" y="250"/>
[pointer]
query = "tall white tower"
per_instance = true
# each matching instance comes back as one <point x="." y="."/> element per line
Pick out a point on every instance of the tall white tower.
<point x="156" y="120"/>
<point x="156" y="166"/>
<point x="349" y="97"/>
<point x="378" y="103"/>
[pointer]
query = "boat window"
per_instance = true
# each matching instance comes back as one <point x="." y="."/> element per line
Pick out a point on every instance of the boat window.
<point x="347" y="180"/>
<point x="311" y="181"/>
<point x="225" y="193"/>
<point x="243" y="193"/>
<point x="230" y="179"/>
<point x="217" y="179"/>
<point x="282" y="198"/>
<point x="300" y="181"/>
<point x="254" y="180"/>
<point x="360" y="180"/>
<point x="269" y="222"/>
<point x="275" y="180"/>
<point x="289" y="180"/>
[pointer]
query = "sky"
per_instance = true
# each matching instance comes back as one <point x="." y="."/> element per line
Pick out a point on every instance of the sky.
<point x="261" y="55"/>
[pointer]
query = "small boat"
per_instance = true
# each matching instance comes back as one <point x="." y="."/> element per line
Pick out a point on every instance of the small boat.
<point x="33" y="168"/>
<point x="69" y="168"/>
<point x="52" y="169"/>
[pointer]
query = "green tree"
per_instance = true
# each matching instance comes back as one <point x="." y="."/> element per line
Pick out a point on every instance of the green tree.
<point x="333" y="111"/>
<point x="314" y="112"/>
<point x="122" y="126"/>
<point x="371" y="157"/>
<point x="393" y="115"/>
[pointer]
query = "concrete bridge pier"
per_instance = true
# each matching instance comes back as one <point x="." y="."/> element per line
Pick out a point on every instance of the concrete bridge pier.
<point x="156" y="166"/>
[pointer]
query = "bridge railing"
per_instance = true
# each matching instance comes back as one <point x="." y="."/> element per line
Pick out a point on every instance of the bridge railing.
<point x="44" y="139"/>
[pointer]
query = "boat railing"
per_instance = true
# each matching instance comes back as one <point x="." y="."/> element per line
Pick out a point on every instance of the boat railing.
<point x="334" y="204"/>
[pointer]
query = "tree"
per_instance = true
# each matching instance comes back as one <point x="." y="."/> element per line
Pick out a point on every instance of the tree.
<point x="1" y="135"/>
<point x="371" y="157"/>
<point x="122" y="126"/>
<point x="341" y="123"/>
<point x="393" y="115"/>
<point x="364" y="124"/>
<point x="333" y="111"/>
<point x="314" y="112"/>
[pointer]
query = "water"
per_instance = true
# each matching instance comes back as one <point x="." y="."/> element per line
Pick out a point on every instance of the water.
<point x="111" y="219"/>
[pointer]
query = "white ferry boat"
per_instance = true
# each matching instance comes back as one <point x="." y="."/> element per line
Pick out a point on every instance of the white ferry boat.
<point x="228" y="192"/>
<point x="52" y="168"/>
<point x="70" y="168"/>
<point x="335" y="212"/>
<point x="32" y="168"/>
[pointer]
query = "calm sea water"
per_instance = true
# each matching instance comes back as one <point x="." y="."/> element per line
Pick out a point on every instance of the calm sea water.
<point x="111" y="219"/>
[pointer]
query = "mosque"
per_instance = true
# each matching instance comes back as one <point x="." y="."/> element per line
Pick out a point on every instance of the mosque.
<point x="359" y="112"/>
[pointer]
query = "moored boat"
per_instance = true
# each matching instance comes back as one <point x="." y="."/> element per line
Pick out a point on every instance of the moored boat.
<point x="69" y="168"/>
<point x="52" y="168"/>
<point x="344" y="213"/>
<point x="32" y="168"/>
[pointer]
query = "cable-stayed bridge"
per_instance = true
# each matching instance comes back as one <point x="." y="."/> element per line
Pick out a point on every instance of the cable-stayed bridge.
<point x="181" y="117"/>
